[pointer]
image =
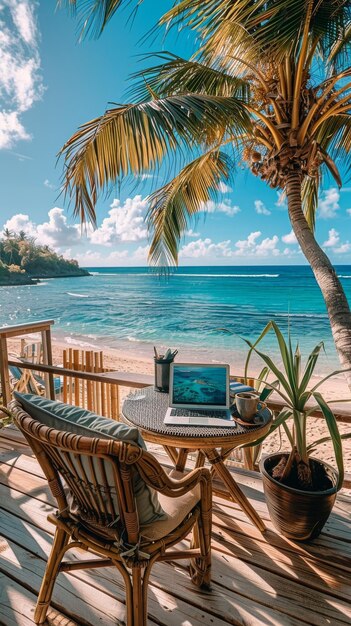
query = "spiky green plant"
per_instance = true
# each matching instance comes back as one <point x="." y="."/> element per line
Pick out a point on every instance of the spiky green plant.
<point x="301" y="399"/>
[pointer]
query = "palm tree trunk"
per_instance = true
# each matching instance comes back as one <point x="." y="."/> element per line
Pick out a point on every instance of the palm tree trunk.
<point x="334" y="296"/>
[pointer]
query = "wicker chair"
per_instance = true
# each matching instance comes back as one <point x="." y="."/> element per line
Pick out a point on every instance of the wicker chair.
<point x="92" y="482"/>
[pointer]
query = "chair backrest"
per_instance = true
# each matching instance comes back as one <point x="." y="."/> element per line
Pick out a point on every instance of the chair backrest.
<point x="24" y="381"/>
<point x="91" y="479"/>
<point x="102" y="398"/>
<point x="32" y="351"/>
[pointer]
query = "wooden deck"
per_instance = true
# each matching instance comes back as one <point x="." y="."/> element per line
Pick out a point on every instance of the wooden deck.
<point x="257" y="580"/>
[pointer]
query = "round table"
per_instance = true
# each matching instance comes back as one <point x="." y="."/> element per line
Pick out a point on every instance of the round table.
<point x="146" y="409"/>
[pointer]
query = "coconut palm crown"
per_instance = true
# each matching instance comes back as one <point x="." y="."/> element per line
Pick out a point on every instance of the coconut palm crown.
<point x="269" y="86"/>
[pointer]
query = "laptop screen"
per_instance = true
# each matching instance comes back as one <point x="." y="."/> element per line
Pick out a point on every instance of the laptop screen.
<point x="199" y="385"/>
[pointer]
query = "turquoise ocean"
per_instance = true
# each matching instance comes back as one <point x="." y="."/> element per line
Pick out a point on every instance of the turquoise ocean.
<point x="132" y="309"/>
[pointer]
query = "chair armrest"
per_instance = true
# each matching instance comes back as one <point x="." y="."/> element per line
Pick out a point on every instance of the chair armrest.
<point x="156" y="477"/>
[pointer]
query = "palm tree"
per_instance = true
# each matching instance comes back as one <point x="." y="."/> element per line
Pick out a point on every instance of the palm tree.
<point x="7" y="233"/>
<point x="10" y="247"/>
<point x="270" y="85"/>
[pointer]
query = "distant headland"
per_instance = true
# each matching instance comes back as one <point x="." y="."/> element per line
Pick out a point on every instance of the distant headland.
<point x="24" y="262"/>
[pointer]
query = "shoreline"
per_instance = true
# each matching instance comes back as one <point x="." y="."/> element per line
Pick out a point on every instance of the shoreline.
<point x="139" y="355"/>
<point x="132" y="360"/>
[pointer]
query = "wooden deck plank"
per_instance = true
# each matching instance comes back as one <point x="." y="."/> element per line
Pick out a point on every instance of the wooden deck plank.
<point x="229" y="514"/>
<point x="337" y="584"/>
<point x="234" y="609"/>
<point x="258" y="580"/>
<point x="72" y="596"/>
<point x="17" y="606"/>
<point x="96" y="597"/>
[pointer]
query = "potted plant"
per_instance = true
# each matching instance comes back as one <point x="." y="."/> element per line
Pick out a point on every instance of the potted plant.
<point x="300" y="490"/>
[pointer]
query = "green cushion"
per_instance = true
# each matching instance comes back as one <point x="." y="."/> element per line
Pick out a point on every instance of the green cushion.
<point x="82" y="422"/>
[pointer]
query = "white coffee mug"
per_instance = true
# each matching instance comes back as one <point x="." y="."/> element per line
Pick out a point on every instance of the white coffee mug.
<point x="247" y="404"/>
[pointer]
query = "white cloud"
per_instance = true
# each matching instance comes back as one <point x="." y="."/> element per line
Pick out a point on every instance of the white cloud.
<point x="90" y="258"/>
<point x="333" y="239"/>
<point x="268" y="246"/>
<point x="345" y="247"/>
<point x="290" y="238"/>
<point x="23" y="19"/>
<point x="260" y="208"/>
<point x="206" y="248"/>
<point x="329" y="203"/>
<point x="191" y="233"/>
<point x="21" y="157"/>
<point x="348" y="211"/>
<point x="19" y="222"/>
<point x="246" y="245"/>
<point x="244" y="248"/>
<point x="20" y="80"/>
<point x="141" y="254"/>
<point x="125" y="223"/>
<point x="223" y="188"/>
<point x="48" y="184"/>
<point x="250" y="246"/>
<point x="221" y="207"/>
<point x="57" y="232"/>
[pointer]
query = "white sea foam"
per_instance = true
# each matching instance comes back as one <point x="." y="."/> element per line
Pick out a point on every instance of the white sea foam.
<point x="78" y="342"/>
<point x="231" y="275"/>
<point x="131" y="338"/>
<point x="344" y="276"/>
<point x="187" y="275"/>
<point x="314" y="315"/>
<point x="77" y="295"/>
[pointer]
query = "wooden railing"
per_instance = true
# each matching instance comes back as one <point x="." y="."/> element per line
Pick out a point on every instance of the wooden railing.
<point x="246" y="457"/>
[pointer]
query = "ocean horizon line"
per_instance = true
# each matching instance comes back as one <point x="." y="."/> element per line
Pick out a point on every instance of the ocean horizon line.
<point x="179" y="267"/>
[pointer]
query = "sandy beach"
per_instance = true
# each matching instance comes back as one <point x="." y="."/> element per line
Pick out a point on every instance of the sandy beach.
<point x="131" y="361"/>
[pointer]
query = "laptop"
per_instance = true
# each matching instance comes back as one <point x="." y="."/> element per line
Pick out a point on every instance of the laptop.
<point x="199" y="395"/>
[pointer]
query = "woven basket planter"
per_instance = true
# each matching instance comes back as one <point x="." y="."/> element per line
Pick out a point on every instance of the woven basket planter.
<point x="297" y="514"/>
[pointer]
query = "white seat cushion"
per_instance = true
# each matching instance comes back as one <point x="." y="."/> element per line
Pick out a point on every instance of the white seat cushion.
<point x="176" y="509"/>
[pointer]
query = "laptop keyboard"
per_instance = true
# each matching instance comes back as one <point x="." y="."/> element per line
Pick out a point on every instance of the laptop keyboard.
<point x="191" y="413"/>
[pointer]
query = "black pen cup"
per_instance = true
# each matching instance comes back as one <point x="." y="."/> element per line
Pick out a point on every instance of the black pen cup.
<point x="162" y="367"/>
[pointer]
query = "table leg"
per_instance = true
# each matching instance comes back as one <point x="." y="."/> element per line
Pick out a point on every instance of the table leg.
<point x="178" y="456"/>
<point x="248" y="458"/>
<point x="182" y="459"/>
<point x="172" y="453"/>
<point x="218" y="466"/>
<point x="200" y="459"/>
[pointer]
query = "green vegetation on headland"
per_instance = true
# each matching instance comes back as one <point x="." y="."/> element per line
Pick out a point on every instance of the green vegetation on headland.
<point x="23" y="262"/>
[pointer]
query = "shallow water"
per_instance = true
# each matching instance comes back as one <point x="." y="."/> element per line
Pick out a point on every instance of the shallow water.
<point x="133" y="307"/>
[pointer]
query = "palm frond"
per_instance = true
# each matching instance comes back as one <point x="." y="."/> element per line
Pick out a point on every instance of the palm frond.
<point x="339" y="53"/>
<point x="172" y="206"/>
<point x="93" y="15"/>
<point x="329" y="22"/>
<point x="310" y="188"/>
<point x="132" y="139"/>
<point x="231" y="49"/>
<point x="178" y="75"/>
<point x="334" y="136"/>
<point x="275" y="25"/>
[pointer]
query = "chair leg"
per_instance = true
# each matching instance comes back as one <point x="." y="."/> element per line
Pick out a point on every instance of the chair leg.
<point x="52" y="568"/>
<point x="200" y="567"/>
<point x="139" y="599"/>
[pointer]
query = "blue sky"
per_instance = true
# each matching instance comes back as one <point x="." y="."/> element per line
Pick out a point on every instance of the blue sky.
<point x="49" y="84"/>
